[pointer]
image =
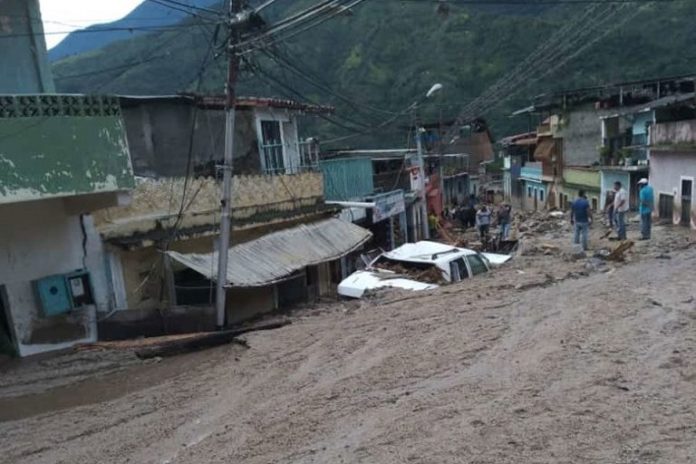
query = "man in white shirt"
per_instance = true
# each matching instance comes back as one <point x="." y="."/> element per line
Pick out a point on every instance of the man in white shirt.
<point x="620" y="209"/>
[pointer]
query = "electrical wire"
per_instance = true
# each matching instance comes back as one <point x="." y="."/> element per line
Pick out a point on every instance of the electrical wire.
<point x="559" y="49"/>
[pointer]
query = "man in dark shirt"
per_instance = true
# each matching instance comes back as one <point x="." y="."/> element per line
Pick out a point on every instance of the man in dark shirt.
<point x="581" y="217"/>
<point x="504" y="218"/>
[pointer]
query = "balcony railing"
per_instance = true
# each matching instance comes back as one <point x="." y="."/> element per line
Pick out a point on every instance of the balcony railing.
<point x="279" y="159"/>
<point x="531" y="171"/>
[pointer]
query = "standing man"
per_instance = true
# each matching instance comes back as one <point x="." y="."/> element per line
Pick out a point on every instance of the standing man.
<point x="504" y="218"/>
<point x="620" y="209"/>
<point x="580" y="218"/>
<point x="647" y="200"/>
<point x="483" y="222"/>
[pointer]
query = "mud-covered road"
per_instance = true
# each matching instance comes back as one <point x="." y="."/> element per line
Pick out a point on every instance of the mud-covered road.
<point x="564" y="368"/>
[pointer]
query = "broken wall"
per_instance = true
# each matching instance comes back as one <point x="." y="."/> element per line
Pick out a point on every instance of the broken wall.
<point x="39" y="239"/>
<point x="581" y="130"/>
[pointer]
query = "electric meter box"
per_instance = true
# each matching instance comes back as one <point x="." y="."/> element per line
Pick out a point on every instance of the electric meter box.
<point x="60" y="294"/>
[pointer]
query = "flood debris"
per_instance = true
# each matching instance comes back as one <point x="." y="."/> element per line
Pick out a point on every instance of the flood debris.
<point x="172" y="347"/>
<point x="618" y="254"/>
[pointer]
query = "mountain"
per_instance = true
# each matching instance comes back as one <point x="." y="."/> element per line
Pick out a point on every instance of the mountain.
<point x="375" y="62"/>
<point x="146" y="15"/>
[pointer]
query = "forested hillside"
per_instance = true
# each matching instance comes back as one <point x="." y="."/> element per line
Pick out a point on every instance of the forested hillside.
<point x="147" y="16"/>
<point x="376" y="61"/>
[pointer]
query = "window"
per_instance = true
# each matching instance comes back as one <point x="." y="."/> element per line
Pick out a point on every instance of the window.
<point x="477" y="265"/>
<point x="272" y="147"/>
<point x="458" y="270"/>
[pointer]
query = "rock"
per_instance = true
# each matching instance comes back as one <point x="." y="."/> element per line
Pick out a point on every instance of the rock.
<point x="602" y="253"/>
<point x="576" y="252"/>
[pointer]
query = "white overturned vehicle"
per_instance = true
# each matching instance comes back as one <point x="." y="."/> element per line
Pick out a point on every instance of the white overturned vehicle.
<point x="436" y="262"/>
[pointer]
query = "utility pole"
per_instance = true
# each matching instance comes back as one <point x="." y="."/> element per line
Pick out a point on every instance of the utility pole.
<point x="425" y="230"/>
<point x="226" y="200"/>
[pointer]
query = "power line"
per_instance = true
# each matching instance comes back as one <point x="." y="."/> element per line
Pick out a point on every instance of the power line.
<point x="560" y="48"/>
<point x="533" y="2"/>
<point x="185" y="8"/>
<point x="293" y="26"/>
<point x="284" y="60"/>
<point x="97" y="29"/>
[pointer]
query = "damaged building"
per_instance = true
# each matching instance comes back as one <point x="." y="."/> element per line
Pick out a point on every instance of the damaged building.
<point x="154" y="247"/>
<point x="62" y="157"/>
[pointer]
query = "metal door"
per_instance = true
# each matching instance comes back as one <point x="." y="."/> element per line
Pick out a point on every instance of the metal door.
<point x="686" y="191"/>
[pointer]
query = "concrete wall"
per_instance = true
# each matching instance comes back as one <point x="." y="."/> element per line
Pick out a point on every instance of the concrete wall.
<point x="255" y="199"/>
<point x="667" y="169"/>
<point x="674" y="133"/>
<point x="535" y="195"/>
<point x="61" y="146"/>
<point x="25" y="67"/>
<point x="572" y="192"/>
<point x="581" y="130"/>
<point x="39" y="239"/>
<point x="159" y="136"/>
<point x="582" y="177"/>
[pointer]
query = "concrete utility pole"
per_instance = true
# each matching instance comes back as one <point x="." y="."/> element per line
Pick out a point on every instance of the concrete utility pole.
<point x="235" y="11"/>
<point x="425" y="229"/>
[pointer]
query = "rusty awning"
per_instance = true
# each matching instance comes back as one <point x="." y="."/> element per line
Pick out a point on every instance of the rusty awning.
<point x="276" y="256"/>
<point x="545" y="150"/>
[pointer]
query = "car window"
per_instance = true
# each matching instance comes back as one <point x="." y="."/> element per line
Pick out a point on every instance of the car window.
<point x="458" y="270"/>
<point x="477" y="264"/>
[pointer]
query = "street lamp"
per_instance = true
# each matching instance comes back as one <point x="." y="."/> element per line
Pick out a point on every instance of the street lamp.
<point x="421" y="166"/>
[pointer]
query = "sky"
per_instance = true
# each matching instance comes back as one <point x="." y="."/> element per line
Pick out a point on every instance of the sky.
<point x="67" y="15"/>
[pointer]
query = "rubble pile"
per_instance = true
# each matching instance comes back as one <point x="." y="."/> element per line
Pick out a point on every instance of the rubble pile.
<point x="538" y="222"/>
<point x="429" y="275"/>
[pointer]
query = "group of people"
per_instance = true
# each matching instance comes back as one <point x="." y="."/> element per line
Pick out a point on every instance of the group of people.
<point x="617" y="205"/>
<point x="483" y="217"/>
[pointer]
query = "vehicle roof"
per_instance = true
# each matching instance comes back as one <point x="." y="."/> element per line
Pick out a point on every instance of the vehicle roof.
<point x="423" y="251"/>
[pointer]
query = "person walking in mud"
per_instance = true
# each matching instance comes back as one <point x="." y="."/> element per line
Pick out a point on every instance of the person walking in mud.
<point x="581" y="218"/>
<point x="483" y="222"/>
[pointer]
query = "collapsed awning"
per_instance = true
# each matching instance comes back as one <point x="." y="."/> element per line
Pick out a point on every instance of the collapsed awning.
<point x="274" y="257"/>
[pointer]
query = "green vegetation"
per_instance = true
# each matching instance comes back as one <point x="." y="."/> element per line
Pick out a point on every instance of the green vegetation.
<point x="388" y="53"/>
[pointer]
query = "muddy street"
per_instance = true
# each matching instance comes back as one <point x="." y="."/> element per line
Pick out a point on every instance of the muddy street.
<point x="565" y="368"/>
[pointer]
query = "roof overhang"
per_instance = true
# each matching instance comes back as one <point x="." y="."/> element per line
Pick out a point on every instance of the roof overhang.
<point x="277" y="256"/>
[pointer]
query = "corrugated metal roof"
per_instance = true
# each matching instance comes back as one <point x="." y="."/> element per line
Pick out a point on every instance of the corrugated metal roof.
<point x="273" y="257"/>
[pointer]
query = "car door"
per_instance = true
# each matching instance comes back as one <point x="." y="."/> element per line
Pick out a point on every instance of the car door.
<point x="458" y="270"/>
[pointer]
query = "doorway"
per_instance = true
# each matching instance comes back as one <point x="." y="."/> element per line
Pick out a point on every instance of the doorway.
<point x="687" y="186"/>
<point x="665" y="206"/>
<point x="7" y="342"/>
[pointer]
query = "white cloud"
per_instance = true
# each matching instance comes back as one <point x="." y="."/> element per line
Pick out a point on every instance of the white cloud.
<point x="63" y="16"/>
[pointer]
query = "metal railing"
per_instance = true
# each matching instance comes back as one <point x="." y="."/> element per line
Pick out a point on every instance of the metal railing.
<point x="279" y="160"/>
